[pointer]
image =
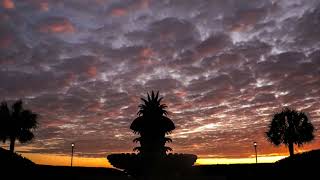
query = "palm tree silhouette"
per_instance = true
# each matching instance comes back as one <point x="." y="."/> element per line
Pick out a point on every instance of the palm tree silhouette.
<point x="152" y="125"/>
<point x="290" y="127"/>
<point x="17" y="123"/>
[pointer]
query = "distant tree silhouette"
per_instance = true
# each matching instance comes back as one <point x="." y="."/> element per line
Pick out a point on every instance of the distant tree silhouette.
<point x="4" y="117"/>
<point x="290" y="127"/>
<point x="16" y="123"/>
<point x="4" y="121"/>
<point x="152" y="125"/>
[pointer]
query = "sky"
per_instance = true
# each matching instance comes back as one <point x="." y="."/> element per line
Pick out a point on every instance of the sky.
<point x="223" y="67"/>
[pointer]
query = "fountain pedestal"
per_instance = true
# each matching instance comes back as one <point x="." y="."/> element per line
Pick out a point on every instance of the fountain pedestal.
<point x="165" y="166"/>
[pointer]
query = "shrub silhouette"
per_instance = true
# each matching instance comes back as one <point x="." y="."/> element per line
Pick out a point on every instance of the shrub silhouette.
<point x="16" y="123"/>
<point x="309" y="158"/>
<point x="290" y="127"/>
<point x="13" y="160"/>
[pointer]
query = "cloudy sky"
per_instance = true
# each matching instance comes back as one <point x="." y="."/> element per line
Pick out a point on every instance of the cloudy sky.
<point x="223" y="67"/>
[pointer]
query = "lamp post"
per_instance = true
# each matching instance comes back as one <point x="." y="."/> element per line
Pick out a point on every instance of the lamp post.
<point x="72" y="148"/>
<point x="255" y="150"/>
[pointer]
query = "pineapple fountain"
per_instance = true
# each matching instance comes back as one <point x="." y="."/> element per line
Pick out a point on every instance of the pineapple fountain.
<point x="152" y="159"/>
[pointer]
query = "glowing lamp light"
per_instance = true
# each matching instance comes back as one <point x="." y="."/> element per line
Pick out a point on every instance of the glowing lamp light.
<point x="255" y="149"/>
<point x="72" y="148"/>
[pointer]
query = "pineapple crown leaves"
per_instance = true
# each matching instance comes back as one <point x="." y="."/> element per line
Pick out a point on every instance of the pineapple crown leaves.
<point x="152" y="105"/>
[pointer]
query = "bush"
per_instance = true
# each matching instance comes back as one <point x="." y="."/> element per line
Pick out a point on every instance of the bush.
<point x="9" y="160"/>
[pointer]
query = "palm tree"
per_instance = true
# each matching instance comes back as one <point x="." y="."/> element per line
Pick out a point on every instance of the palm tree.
<point x="17" y="123"/>
<point x="152" y="125"/>
<point x="290" y="127"/>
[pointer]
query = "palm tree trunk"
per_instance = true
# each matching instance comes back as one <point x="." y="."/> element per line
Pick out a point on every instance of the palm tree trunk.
<point x="291" y="150"/>
<point x="12" y="142"/>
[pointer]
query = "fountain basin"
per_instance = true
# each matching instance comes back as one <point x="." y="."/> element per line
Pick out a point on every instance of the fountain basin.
<point x="136" y="164"/>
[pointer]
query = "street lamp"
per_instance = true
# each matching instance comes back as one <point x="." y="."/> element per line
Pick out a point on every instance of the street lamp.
<point x="72" y="148"/>
<point x="255" y="150"/>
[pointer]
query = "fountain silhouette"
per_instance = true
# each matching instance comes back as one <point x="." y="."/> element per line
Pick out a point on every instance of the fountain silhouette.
<point x="152" y="159"/>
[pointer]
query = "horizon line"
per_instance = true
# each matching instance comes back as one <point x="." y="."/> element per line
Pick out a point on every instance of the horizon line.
<point x="78" y="161"/>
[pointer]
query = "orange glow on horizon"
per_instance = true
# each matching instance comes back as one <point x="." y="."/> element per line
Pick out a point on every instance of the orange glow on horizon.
<point x="261" y="159"/>
<point x="61" y="160"/>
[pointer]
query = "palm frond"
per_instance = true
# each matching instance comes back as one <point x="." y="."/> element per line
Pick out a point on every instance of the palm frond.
<point x="138" y="149"/>
<point x="166" y="139"/>
<point x="167" y="148"/>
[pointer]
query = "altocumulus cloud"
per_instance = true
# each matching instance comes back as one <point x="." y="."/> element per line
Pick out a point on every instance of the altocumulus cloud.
<point x="224" y="67"/>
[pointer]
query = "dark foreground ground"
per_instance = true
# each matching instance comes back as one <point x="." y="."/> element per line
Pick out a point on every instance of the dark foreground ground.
<point x="207" y="172"/>
<point x="302" y="166"/>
